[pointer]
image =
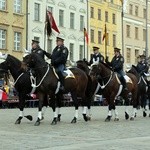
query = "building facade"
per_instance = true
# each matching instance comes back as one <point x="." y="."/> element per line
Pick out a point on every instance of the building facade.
<point x="134" y="23"/>
<point x="13" y="27"/>
<point x="103" y="12"/>
<point x="70" y="17"/>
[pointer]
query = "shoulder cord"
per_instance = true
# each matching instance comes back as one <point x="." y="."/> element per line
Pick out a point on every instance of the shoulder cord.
<point x="18" y="78"/>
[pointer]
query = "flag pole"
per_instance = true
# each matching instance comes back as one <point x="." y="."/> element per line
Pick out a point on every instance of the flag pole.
<point x="45" y="29"/>
<point x="105" y="41"/>
<point x="84" y="42"/>
<point x="122" y="15"/>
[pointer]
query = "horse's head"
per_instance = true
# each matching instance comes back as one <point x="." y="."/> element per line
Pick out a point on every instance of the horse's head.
<point x="133" y="70"/>
<point x="82" y="65"/>
<point x="95" y="71"/>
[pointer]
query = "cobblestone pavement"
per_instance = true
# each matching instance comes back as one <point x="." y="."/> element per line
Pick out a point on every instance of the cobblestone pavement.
<point x="96" y="134"/>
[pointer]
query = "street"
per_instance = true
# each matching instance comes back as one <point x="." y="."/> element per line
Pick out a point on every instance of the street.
<point x="95" y="134"/>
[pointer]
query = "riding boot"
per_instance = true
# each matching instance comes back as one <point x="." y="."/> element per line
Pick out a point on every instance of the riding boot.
<point x="61" y="79"/>
<point x="124" y="84"/>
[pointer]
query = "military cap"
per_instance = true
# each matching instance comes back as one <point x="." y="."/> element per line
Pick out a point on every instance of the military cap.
<point x="59" y="38"/>
<point x="117" y="49"/>
<point x="35" y="41"/>
<point x="95" y="48"/>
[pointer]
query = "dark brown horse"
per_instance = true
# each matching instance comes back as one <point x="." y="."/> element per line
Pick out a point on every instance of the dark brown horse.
<point x="142" y="90"/>
<point x="47" y="83"/>
<point x="112" y="88"/>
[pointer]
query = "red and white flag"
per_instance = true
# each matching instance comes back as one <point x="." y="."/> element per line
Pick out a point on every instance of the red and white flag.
<point x="3" y="95"/>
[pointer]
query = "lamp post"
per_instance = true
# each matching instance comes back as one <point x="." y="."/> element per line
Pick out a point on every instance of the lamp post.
<point x="87" y="26"/>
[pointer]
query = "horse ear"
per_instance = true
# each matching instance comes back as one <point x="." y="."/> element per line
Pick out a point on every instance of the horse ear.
<point x="26" y="52"/>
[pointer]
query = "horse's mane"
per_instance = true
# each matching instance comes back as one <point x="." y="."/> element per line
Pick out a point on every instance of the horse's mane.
<point x="14" y="60"/>
<point x="106" y="65"/>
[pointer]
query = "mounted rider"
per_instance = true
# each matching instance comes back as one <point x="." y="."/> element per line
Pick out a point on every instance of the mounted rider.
<point x="59" y="58"/>
<point x="96" y="57"/>
<point x="37" y="49"/>
<point x="117" y="65"/>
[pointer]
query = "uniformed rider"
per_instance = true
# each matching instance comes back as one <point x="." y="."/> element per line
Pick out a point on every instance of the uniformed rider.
<point x="59" y="58"/>
<point x="96" y="57"/>
<point x="117" y="65"/>
<point x="37" y="49"/>
<point x="142" y="65"/>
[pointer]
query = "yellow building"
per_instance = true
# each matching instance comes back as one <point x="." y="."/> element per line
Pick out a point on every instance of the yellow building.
<point x="103" y="12"/>
<point x="13" y="27"/>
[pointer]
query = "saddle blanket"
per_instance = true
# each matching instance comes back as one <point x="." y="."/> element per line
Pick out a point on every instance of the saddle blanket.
<point x="68" y="74"/>
<point x="128" y="80"/>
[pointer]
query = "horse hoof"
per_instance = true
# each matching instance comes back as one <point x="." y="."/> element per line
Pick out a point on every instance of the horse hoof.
<point x="74" y="120"/>
<point x="59" y="118"/>
<point x="89" y="118"/>
<point x="144" y="114"/>
<point x="116" y="119"/>
<point x="135" y="115"/>
<point x="18" y="121"/>
<point x="108" y="119"/>
<point x="85" y="117"/>
<point x="126" y="116"/>
<point x="132" y="118"/>
<point x="37" y="123"/>
<point x="29" y="117"/>
<point x="54" y="122"/>
<point x="149" y="115"/>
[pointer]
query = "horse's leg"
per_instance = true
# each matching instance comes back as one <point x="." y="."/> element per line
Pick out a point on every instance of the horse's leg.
<point x="39" y="118"/>
<point x="59" y="105"/>
<point x="21" y="107"/>
<point x="143" y="104"/>
<point x="89" y="101"/>
<point x="52" y="104"/>
<point x="127" y="103"/>
<point x="76" y="104"/>
<point x="116" y="113"/>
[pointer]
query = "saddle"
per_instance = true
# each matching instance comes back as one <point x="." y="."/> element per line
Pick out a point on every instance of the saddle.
<point x="127" y="79"/>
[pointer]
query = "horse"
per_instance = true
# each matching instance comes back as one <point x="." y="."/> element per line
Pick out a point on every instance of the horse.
<point x="92" y="87"/>
<point x="112" y="88"/>
<point x="22" y="81"/>
<point x="47" y="81"/>
<point x="142" y="90"/>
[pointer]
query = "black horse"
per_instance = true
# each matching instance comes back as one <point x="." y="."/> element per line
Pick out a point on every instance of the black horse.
<point x="22" y="81"/>
<point x="112" y="88"/>
<point x="142" y="90"/>
<point x="47" y="84"/>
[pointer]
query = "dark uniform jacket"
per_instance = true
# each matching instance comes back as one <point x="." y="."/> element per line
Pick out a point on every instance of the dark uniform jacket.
<point x="142" y="67"/>
<point x="59" y="55"/>
<point x="41" y="52"/>
<point x="96" y="58"/>
<point x="116" y="63"/>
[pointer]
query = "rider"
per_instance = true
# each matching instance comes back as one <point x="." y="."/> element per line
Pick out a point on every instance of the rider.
<point x="37" y="49"/>
<point x="142" y="65"/>
<point x="117" y="65"/>
<point x="96" y="57"/>
<point x="59" y="58"/>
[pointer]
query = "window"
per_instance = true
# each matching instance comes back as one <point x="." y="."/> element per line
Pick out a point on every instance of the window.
<point x="99" y="37"/>
<point x="92" y="12"/>
<point x="114" y="40"/>
<point x="130" y="9"/>
<point x="136" y="33"/>
<point x="61" y="18"/>
<point x="99" y="14"/>
<point x="72" y="20"/>
<point x="17" y="6"/>
<point x="71" y="48"/>
<point x="50" y="9"/>
<point x="106" y="16"/>
<point x="81" y="22"/>
<point x="92" y="35"/>
<point x="3" y="4"/>
<point x="113" y="18"/>
<point x="112" y="1"/>
<point x="136" y="10"/>
<point x="144" y="35"/>
<point x="49" y="45"/>
<point x="37" y="12"/>
<point x="2" y="39"/>
<point x="128" y="31"/>
<point x="81" y="52"/>
<point x="128" y="55"/>
<point x="82" y="1"/>
<point x="17" y="41"/>
<point x="144" y="13"/>
<point x="136" y="55"/>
